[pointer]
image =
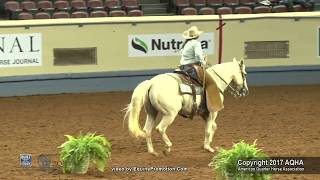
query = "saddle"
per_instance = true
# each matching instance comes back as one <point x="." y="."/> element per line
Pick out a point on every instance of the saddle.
<point x="211" y="100"/>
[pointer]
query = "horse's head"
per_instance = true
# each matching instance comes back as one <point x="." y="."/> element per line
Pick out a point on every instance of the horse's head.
<point x="240" y="78"/>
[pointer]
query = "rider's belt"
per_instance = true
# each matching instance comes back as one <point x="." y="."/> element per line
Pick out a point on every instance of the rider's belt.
<point x="182" y="67"/>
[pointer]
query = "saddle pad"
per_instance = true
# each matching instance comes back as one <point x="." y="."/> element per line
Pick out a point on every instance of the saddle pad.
<point x="186" y="89"/>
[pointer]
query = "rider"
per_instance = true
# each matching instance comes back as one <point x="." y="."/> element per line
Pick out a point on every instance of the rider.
<point x="191" y="53"/>
<point x="193" y="62"/>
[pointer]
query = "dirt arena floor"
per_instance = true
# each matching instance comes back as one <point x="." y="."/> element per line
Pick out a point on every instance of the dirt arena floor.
<point x="284" y="120"/>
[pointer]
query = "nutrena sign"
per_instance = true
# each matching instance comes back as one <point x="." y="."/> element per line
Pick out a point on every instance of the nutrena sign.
<point x="164" y="44"/>
<point x="20" y="50"/>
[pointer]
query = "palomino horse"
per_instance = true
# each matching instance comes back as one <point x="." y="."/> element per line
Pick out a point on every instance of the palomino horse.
<point x="161" y="97"/>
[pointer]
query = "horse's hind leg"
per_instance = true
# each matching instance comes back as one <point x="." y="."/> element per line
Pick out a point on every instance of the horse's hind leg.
<point x="211" y="126"/>
<point x="165" y="121"/>
<point x="150" y="123"/>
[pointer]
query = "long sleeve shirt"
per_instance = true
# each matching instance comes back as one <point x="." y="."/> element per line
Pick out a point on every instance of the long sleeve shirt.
<point x="192" y="53"/>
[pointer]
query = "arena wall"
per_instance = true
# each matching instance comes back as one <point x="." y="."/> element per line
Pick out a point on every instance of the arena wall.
<point x="117" y="69"/>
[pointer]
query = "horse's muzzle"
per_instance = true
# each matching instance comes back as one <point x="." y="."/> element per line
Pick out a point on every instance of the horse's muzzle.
<point x="244" y="92"/>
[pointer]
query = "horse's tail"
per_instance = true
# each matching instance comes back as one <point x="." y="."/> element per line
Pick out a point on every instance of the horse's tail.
<point x="133" y="109"/>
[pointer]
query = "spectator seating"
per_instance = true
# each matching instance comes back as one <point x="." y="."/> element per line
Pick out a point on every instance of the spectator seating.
<point x="224" y="10"/>
<point x="135" y="12"/>
<point x="71" y="8"/>
<point x="189" y="11"/>
<point x="242" y="10"/>
<point x="198" y="4"/>
<point x="130" y="4"/>
<point x="98" y="13"/>
<point x="250" y="3"/>
<point x="117" y="13"/>
<point x="79" y="14"/>
<point x="231" y="3"/>
<point x="45" y="5"/>
<point x="181" y="4"/>
<point x="262" y="9"/>
<point x="215" y="3"/>
<point x="206" y="11"/>
<point x="299" y="8"/>
<point x="78" y="5"/>
<point x="61" y="5"/>
<point x="25" y="16"/>
<point x="41" y="9"/>
<point x="61" y="14"/>
<point x="113" y="5"/>
<point x="42" y="15"/>
<point x="279" y="8"/>
<point x="95" y="5"/>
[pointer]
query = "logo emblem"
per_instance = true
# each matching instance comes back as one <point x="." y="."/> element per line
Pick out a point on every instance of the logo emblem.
<point x="25" y="160"/>
<point x="44" y="161"/>
<point x="139" y="45"/>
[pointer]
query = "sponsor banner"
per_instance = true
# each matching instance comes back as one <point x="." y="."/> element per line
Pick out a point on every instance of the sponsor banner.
<point x="19" y="50"/>
<point x="164" y="44"/>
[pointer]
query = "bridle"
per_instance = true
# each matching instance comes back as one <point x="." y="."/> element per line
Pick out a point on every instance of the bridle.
<point x="232" y="90"/>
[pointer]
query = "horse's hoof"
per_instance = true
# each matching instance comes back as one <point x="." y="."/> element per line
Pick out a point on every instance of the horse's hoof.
<point x="210" y="149"/>
<point x="154" y="154"/>
<point x="166" y="152"/>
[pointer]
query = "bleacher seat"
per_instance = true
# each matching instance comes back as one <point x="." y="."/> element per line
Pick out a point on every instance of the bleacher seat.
<point x="95" y="5"/>
<point x="28" y="5"/>
<point x="111" y="5"/>
<point x="242" y="10"/>
<point x="61" y="14"/>
<point x="98" y="13"/>
<point x="45" y="4"/>
<point x="198" y="4"/>
<point x="130" y="4"/>
<point x="117" y="13"/>
<point x="12" y="9"/>
<point x="135" y="12"/>
<point x="78" y="5"/>
<point x="79" y="14"/>
<point x="42" y="15"/>
<point x="189" y="11"/>
<point x="25" y="16"/>
<point x="12" y="6"/>
<point x="62" y="5"/>
<point x="215" y="3"/>
<point x="298" y="8"/>
<point x="180" y="5"/>
<point x="279" y="9"/>
<point x="231" y="3"/>
<point x="206" y="11"/>
<point x="251" y="3"/>
<point x="224" y="10"/>
<point x="261" y="9"/>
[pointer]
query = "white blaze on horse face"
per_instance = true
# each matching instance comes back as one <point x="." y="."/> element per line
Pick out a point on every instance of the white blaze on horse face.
<point x="240" y="77"/>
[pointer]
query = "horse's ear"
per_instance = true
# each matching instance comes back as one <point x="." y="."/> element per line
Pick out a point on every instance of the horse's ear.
<point x="235" y="60"/>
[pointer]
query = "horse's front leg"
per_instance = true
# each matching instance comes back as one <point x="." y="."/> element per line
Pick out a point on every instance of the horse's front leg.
<point x="210" y="128"/>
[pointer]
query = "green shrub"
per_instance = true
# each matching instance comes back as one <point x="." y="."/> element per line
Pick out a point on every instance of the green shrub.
<point x="78" y="151"/>
<point x="225" y="162"/>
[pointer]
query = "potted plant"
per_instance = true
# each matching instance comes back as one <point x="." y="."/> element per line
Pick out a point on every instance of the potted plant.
<point x="77" y="153"/>
<point x="225" y="162"/>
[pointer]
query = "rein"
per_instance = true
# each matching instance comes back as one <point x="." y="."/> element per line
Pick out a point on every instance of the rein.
<point x="232" y="90"/>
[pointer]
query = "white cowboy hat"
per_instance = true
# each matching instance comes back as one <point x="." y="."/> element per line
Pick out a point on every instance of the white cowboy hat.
<point x="191" y="33"/>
